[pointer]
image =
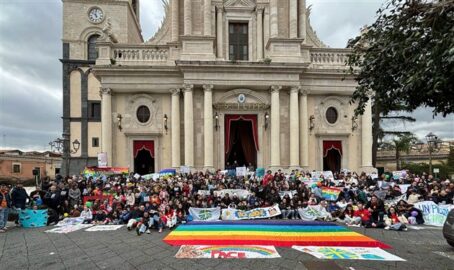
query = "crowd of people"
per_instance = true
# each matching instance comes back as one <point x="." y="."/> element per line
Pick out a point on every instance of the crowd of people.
<point x="144" y="205"/>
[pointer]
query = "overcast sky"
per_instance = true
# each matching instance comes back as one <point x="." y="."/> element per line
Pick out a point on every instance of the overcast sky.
<point x="30" y="73"/>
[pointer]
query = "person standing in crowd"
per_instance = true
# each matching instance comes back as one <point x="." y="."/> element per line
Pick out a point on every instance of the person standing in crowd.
<point x="19" y="199"/>
<point x="5" y="204"/>
<point x="74" y="195"/>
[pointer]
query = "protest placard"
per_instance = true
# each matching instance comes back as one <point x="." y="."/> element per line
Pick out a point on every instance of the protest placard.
<point x="227" y="252"/>
<point x="266" y="212"/>
<point x="434" y="214"/>
<point x="348" y="253"/>
<point x="241" y="171"/>
<point x="30" y="218"/>
<point x="289" y="192"/>
<point x="205" y="214"/>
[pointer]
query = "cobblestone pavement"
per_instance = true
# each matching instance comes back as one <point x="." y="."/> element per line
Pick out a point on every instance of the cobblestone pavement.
<point x="34" y="249"/>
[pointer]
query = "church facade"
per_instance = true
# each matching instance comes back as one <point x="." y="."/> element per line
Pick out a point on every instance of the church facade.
<point x="222" y="83"/>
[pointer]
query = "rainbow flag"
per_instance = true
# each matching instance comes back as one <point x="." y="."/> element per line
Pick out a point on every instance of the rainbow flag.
<point x="284" y="233"/>
<point x="330" y="194"/>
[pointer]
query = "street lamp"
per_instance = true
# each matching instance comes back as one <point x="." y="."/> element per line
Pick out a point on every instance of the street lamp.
<point x="433" y="145"/>
<point x="63" y="145"/>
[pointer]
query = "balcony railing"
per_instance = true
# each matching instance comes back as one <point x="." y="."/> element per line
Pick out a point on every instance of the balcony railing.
<point x="329" y="57"/>
<point x="140" y="55"/>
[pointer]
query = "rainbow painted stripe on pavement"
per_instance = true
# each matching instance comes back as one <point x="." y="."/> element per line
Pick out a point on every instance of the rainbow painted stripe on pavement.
<point x="283" y="233"/>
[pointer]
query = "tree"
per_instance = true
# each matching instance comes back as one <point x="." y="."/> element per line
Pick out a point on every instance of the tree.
<point x="402" y="143"/>
<point x="406" y="58"/>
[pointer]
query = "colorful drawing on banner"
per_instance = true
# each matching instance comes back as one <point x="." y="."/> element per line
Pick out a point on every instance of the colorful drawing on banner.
<point x="101" y="228"/>
<point x="70" y="221"/>
<point x="69" y="228"/>
<point x="330" y="194"/>
<point x="266" y="212"/>
<point x="399" y="174"/>
<point x="313" y="212"/>
<point x="205" y="214"/>
<point x="30" y="218"/>
<point x="227" y="252"/>
<point x="348" y="253"/>
<point x="434" y="214"/>
<point x="167" y="172"/>
<point x="98" y="172"/>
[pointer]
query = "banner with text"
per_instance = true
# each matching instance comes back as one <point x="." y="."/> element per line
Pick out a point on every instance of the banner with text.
<point x="227" y="252"/>
<point x="434" y="214"/>
<point x="205" y="214"/>
<point x="266" y="212"/>
<point x="240" y="193"/>
<point x="348" y="253"/>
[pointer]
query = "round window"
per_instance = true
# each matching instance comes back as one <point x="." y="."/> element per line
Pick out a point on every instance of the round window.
<point x="331" y="115"/>
<point x="143" y="114"/>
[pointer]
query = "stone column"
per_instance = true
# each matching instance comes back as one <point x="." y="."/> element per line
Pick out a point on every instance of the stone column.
<point x="294" y="128"/>
<point x="274" y="29"/>
<point x="188" y="126"/>
<point x="106" y="123"/>
<point x="293" y="13"/>
<point x="174" y="5"/>
<point x="219" y="32"/>
<point x="304" y="134"/>
<point x="259" y="33"/>
<point x="302" y="19"/>
<point x="275" y="128"/>
<point x="208" y="126"/>
<point x="175" y="128"/>
<point x="266" y="26"/>
<point x="207" y="18"/>
<point x="366" y="137"/>
<point x="187" y="17"/>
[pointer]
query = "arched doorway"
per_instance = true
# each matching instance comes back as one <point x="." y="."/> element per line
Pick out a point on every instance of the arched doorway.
<point x="144" y="162"/>
<point x="241" y="141"/>
<point x="332" y="156"/>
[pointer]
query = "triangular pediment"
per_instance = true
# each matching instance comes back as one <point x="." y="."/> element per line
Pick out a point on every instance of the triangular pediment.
<point x="239" y="3"/>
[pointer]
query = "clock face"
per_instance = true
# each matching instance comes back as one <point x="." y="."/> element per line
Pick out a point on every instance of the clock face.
<point x="95" y="15"/>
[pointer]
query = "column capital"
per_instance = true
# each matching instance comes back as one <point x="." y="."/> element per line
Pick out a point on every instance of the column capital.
<point x="260" y="9"/>
<point x="219" y="8"/>
<point x="207" y="87"/>
<point x="295" y="89"/>
<point x="175" y="91"/>
<point x="187" y="87"/>
<point x="105" y="91"/>
<point x="304" y="92"/>
<point x="275" y="88"/>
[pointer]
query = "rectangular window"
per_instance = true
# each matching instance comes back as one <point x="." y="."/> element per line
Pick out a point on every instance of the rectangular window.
<point x="238" y="41"/>
<point x="94" y="110"/>
<point x="16" y="167"/>
<point x="94" y="142"/>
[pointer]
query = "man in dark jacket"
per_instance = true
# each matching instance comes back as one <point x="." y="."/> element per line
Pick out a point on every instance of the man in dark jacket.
<point x="19" y="197"/>
<point x="52" y="198"/>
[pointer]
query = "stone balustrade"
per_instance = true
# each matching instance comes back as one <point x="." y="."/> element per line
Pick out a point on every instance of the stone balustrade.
<point x="140" y="55"/>
<point x="329" y="57"/>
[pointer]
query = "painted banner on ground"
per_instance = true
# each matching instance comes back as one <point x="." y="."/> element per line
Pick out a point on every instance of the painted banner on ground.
<point x="313" y="212"/>
<point x="70" y="221"/>
<point x="100" y="228"/>
<point x="434" y="214"/>
<point x="265" y="212"/>
<point x="30" y="218"/>
<point x="290" y="193"/>
<point x="330" y="194"/>
<point x="241" y="193"/>
<point x="69" y="228"/>
<point x="205" y="214"/>
<point x="97" y="171"/>
<point x="348" y="253"/>
<point x="227" y="252"/>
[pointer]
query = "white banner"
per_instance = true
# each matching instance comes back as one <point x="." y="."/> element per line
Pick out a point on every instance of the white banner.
<point x="205" y="214"/>
<point x="348" y="253"/>
<point x="434" y="214"/>
<point x="404" y="188"/>
<point x="313" y="212"/>
<point x="290" y="193"/>
<point x="240" y="193"/>
<point x="227" y="252"/>
<point x="266" y="212"/>
<point x="102" y="159"/>
<point x="70" y="221"/>
<point x="68" y="228"/>
<point x="204" y="192"/>
<point x="185" y="169"/>
<point x="241" y="171"/>
<point x="100" y="228"/>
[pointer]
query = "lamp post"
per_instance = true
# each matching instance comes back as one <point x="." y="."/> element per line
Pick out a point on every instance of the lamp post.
<point x="63" y="145"/>
<point x="433" y="145"/>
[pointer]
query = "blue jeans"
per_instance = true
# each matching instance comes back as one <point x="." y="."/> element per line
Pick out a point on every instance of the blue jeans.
<point x="156" y="221"/>
<point x="3" y="217"/>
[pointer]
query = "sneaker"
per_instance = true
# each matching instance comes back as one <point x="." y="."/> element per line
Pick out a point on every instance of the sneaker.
<point x="387" y="228"/>
<point x="148" y="232"/>
<point x="405" y="229"/>
<point x="2" y="231"/>
<point x="160" y="230"/>
<point x="129" y="228"/>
